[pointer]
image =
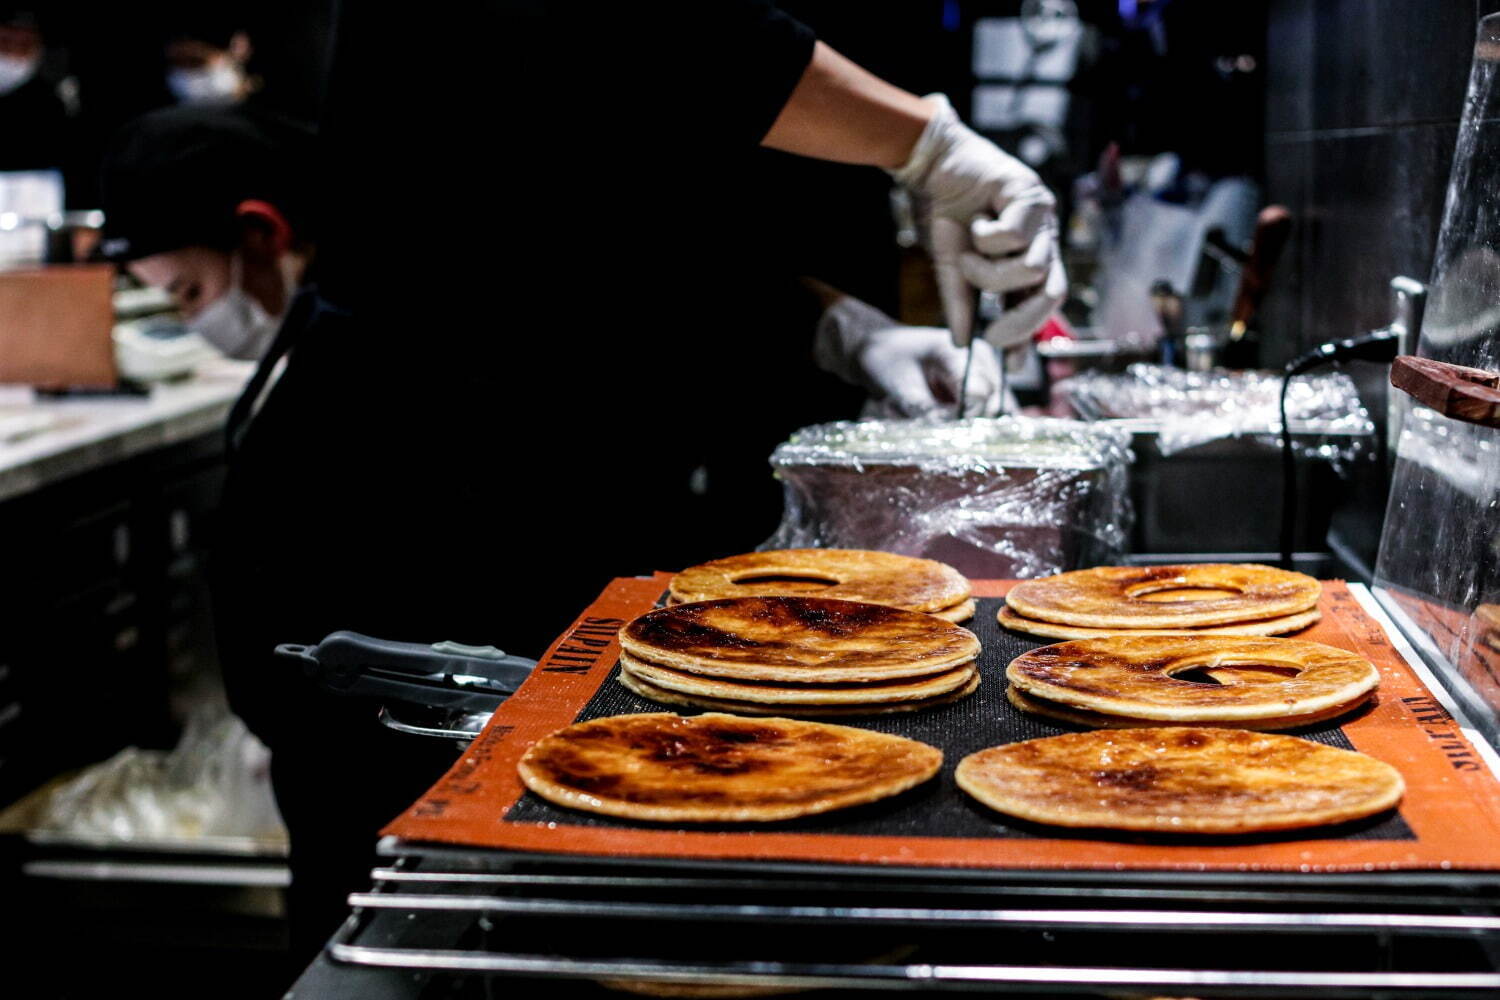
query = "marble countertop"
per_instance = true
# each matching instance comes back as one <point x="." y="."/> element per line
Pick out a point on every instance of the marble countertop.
<point x="46" y="440"/>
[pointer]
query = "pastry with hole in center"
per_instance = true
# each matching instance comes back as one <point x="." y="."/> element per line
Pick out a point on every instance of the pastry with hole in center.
<point x="1146" y="680"/>
<point x="841" y="574"/>
<point x="1243" y="597"/>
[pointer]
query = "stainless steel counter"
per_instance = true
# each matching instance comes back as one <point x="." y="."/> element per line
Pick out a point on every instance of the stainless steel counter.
<point x="79" y="434"/>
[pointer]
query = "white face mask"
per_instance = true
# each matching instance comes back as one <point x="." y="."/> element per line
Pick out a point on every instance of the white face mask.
<point x="235" y="322"/>
<point x="16" y="70"/>
<point x="217" y="83"/>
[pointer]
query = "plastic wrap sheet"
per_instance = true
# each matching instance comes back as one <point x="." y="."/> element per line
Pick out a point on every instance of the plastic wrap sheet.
<point x="1012" y="497"/>
<point x="1439" y="559"/>
<point x="214" y="784"/>
<point x="1193" y="408"/>
<point x="1439" y="564"/>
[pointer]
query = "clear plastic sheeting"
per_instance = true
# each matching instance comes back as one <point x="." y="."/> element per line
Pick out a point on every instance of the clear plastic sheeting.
<point x="1187" y="409"/>
<point x="1439" y="567"/>
<point x="995" y="498"/>
<point x="214" y="785"/>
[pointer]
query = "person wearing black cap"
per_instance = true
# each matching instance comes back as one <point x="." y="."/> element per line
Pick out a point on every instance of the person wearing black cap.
<point x="523" y="337"/>
<point x="210" y="204"/>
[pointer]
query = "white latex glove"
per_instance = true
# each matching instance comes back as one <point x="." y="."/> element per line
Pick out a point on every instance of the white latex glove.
<point x="909" y="371"/>
<point x="989" y="223"/>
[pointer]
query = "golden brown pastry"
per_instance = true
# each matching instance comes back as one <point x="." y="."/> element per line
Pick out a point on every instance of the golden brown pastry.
<point x="1157" y="597"/>
<point x="1171" y="780"/>
<point x="1008" y="618"/>
<point x="1134" y="676"/>
<point x="772" y="693"/>
<point x="841" y="574"/>
<point x="666" y="696"/>
<point x="801" y="640"/>
<point x="720" y="768"/>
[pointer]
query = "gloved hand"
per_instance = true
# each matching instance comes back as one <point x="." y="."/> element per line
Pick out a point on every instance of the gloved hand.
<point x="989" y="223"/>
<point x="909" y="371"/>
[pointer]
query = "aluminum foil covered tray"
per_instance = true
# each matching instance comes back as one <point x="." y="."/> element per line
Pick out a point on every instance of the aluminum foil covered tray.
<point x="1009" y="497"/>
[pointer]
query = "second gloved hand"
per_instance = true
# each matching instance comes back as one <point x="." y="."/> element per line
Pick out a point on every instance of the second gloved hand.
<point x="909" y="371"/>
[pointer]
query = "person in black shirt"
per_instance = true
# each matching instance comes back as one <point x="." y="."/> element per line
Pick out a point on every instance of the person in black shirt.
<point x="507" y="367"/>
<point x="34" y="116"/>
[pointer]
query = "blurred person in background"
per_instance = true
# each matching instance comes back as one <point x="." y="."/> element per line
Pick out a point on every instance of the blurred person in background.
<point x="211" y="203"/>
<point x="207" y="57"/>
<point x="38" y="103"/>
<point x="511" y="358"/>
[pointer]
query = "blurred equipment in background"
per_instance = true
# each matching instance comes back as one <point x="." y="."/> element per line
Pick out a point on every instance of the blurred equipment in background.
<point x="1439" y="563"/>
<point x="1022" y="68"/>
<point x="1207" y="475"/>
<point x="55" y="327"/>
<point x="1149" y="242"/>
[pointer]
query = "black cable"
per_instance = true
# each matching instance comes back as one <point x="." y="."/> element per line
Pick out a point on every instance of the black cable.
<point x="1381" y="345"/>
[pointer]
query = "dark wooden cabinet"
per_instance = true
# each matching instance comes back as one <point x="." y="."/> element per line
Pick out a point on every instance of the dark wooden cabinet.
<point x="105" y="632"/>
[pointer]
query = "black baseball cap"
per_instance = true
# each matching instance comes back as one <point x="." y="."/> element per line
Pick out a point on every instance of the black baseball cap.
<point x="174" y="178"/>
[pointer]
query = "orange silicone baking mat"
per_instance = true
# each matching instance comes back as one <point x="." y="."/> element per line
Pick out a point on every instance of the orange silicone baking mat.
<point x="1449" y="818"/>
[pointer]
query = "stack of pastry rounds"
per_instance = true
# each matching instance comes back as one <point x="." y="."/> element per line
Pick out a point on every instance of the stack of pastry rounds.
<point x="808" y="656"/>
<point x="1218" y="781"/>
<point x="1488" y="618"/>
<point x="841" y="574"/>
<point x="720" y="768"/>
<point x="1127" y="681"/>
<point x="1212" y="598"/>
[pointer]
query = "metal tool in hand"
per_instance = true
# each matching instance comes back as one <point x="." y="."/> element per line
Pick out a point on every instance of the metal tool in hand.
<point x="986" y="307"/>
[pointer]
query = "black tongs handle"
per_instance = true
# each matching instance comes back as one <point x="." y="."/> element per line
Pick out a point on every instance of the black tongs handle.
<point x="441" y="674"/>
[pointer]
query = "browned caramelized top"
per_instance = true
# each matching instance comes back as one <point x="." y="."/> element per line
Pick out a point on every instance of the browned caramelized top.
<point x="797" y="638"/>
<point x="1140" y="675"/>
<point x="720" y="767"/>
<point x="842" y="574"/>
<point x="1184" y="780"/>
<point x="1165" y="596"/>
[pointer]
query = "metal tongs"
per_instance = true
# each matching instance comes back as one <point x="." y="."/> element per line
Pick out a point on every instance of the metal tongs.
<point x="442" y="689"/>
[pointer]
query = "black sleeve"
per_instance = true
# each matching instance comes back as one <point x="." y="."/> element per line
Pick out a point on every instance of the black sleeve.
<point x="731" y="64"/>
<point x="748" y="56"/>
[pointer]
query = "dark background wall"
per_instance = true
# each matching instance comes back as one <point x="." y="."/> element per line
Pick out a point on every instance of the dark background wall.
<point x="1363" y="99"/>
<point x="1362" y="105"/>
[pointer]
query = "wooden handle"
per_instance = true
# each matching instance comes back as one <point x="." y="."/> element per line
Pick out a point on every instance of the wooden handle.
<point x="1468" y="394"/>
<point x="1272" y="228"/>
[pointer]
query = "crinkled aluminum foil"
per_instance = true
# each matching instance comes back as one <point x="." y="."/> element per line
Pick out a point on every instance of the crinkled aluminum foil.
<point x="996" y="498"/>
<point x="1192" y="408"/>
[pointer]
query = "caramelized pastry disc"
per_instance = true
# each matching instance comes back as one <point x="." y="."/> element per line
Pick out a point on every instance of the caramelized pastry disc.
<point x="1050" y="630"/>
<point x="1098" y="720"/>
<point x="1155" y="597"/>
<point x="960" y="612"/>
<point x="841" y="574"/>
<point x="802" y="640"/>
<point x="646" y="689"/>
<point x="1133" y="676"/>
<point x="720" y="768"/>
<point x="1175" y="780"/>
<point x="806" y="694"/>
